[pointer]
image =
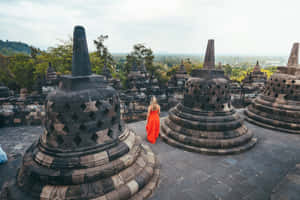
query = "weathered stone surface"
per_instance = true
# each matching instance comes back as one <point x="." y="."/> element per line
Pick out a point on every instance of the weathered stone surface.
<point x="253" y="84"/>
<point x="16" y="111"/>
<point x="80" y="61"/>
<point x="289" y="187"/>
<point x="134" y="100"/>
<point x="248" y="176"/>
<point x="205" y="121"/>
<point x="278" y="106"/>
<point x="86" y="151"/>
<point x="4" y="91"/>
<point x="175" y="86"/>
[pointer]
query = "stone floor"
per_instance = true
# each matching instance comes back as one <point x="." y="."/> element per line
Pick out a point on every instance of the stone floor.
<point x="184" y="175"/>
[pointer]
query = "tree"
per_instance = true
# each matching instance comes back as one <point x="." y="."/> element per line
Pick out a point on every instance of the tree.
<point x="227" y="69"/>
<point x="141" y="55"/>
<point x="21" y="68"/>
<point x="61" y="56"/>
<point x="105" y="57"/>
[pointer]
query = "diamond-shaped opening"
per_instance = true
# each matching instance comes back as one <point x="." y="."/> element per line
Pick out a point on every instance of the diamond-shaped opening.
<point x="99" y="124"/>
<point x="74" y="117"/>
<point x="60" y="140"/>
<point x="83" y="106"/>
<point x="66" y="129"/>
<point x="67" y="107"/>
<point x="98" y="104"/>
<point x="82" y="127"/>
<point x="293" y="81"/>
<point x="92" y="115"/>
<point x="94" y="137"/>
<point x="60" y="117"/>
<point x="105" y="111"/>
<point x="110" y="133"/>
<point x="77" y="140"/>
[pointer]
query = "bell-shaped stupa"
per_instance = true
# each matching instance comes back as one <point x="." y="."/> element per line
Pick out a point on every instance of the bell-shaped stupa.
<point x="278" y="107"/>
<point x="205" y="121"/>
<point x="86" y="151"/>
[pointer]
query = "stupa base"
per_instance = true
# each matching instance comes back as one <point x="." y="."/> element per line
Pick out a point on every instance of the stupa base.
<point x="135" y="182"/>
<point x="235" y="150"/>
<point x="261" y="121"/>
<point x="204" y="145"/>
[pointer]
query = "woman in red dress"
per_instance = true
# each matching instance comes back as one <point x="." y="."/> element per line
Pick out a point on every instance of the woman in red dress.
<point x="153" y="123"/>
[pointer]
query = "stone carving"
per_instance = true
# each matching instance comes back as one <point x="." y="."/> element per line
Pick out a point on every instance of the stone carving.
<point x="205" y="121"/>
<point x="252" y="85"/>
<point x="134" y="99"/>
<point x="176" y="86"/>
<point x="86" y="151"/>
<point x="278" y="106"/>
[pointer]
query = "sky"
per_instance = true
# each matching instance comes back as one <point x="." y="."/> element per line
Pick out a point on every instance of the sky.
<point x="239" y="27"/>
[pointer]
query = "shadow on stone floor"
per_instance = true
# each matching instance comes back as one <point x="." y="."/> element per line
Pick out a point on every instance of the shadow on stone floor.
<point x="185" y="175"/>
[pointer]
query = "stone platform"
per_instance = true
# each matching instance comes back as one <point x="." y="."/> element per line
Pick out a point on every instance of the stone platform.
<point x="252" y="175"/>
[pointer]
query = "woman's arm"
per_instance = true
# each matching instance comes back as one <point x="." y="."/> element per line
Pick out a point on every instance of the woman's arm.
<point x="148" y="113"/>
<point x="159" y="110"/>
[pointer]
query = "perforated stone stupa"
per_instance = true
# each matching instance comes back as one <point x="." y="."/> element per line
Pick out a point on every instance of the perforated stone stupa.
<point x="278" y="107"/>
<point x="205" y="121"/>
<point x="4" y="91"/>
<point x="86" y="151"/>
<point x="255" y="81"/>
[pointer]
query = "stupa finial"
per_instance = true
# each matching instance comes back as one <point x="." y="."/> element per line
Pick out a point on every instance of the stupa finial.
<point x="294" y="57"/>
<point x="209" y="60"/>
<point x="81" y="61"/>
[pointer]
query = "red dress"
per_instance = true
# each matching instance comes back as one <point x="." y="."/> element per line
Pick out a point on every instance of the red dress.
<point x="152" y="127"/>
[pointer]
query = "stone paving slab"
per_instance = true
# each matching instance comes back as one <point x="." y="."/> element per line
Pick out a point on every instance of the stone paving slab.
<point x="289" y="187"/>
<point x="185" y="175"/>
<point x="248" y="176"/>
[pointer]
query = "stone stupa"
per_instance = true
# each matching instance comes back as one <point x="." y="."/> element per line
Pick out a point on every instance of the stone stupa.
<point x="86" y="151"/>
<point x="4" y="91"/>
<point x="205" y="121"/>
<point x="278" y="107"/>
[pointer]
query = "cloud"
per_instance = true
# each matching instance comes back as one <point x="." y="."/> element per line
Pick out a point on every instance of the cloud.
<point x="177" y="26"/>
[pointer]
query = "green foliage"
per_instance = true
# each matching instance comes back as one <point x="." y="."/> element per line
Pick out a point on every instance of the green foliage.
<point x="61" y="56"/>
<point x="104" y="56"/>
<point x="9" y="48"/>
<point x="21" y="68"/>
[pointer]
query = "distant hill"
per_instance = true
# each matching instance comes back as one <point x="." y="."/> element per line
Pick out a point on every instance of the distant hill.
<point x="8" y="48"/>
